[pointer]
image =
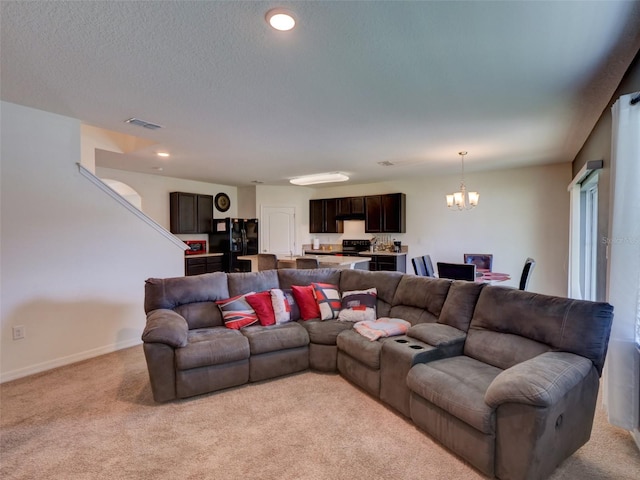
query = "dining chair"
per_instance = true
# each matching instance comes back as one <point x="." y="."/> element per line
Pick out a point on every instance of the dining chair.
<point x="526" y="273"/>
<point x="267" y="261"/>
<point x="457" y="271"/>
<point x="419" y="266"/>
<point x="429" y="266"/>
<point x="307" y="263"/>
<point x="480" y="260"/>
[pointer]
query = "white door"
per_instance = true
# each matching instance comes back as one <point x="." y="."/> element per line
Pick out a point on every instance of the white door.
<point x="278" y="230"/>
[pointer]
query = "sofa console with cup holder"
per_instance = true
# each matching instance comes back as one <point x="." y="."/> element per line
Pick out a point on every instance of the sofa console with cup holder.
<point x="504" y="378"/>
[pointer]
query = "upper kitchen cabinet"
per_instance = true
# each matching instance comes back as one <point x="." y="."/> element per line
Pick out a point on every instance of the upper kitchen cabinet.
<point x="190" y="212"/>
<point x="323" y="216"/>
<point x="385" y="213"/>
<point x="351" y="208"/>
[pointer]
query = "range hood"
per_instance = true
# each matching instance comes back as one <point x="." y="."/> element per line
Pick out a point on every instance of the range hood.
<point x="350" y="216"/>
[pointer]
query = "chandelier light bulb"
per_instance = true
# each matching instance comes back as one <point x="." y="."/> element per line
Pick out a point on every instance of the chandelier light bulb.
<point x="462" y="200"/>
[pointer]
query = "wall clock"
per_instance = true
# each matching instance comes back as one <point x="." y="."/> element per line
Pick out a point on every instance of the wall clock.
<point x="222" y="202"/>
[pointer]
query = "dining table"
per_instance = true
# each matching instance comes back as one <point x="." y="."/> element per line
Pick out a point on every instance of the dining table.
<point x="487" y="276"/>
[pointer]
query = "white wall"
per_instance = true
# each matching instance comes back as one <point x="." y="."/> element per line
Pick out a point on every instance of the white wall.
<point x="73" y="261"/>
<point x="155" y="189"/>
<point x="522" y="213"/>
<point x="289" y="196"/>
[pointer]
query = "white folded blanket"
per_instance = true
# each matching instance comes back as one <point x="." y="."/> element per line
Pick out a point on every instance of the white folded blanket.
<point x="382" y="327"/>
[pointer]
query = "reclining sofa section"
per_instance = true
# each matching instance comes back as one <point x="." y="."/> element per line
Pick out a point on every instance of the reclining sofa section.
<point x="506" y="379"/>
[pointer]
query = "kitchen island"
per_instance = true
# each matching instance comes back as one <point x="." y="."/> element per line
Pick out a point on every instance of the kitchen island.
<point x="325" y="261"/>
<point x="380" y="259"/>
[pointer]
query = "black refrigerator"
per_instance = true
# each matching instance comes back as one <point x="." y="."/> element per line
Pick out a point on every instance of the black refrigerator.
<point x="234" y="237"/>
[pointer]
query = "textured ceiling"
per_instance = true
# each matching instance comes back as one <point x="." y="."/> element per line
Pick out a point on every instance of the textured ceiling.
<point x="355" y="83"/>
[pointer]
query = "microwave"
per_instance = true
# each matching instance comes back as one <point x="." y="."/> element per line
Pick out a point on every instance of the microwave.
<point x="196" y="247"/>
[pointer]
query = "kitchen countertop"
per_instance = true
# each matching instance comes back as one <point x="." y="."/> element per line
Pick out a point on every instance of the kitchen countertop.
<point x="325" y="261"/>
<point x="201" y="255"/>
<point x="366" y="253"/>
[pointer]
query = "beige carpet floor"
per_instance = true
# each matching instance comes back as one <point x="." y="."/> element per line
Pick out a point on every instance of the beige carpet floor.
<point x="96" y="420"/>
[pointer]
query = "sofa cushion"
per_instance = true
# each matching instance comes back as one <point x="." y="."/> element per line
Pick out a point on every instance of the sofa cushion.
<point x="460" y="303"/>
<point x="212" y="346"/>
<point x="385" y="284"/>
<point x="241" y="283"/>
<point x="360" y="348"/>
<point x="419" y="299"/>
<point x="291" y="276"/>
<point x="542" y="322"/>
<point x="325" y="332"/>
<point x="192" y="297"/>
<point x="275" y="337"/>
<point x="457" y="385"/>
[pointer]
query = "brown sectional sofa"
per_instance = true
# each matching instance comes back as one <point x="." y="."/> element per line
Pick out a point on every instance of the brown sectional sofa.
<point x="506" y="379"/>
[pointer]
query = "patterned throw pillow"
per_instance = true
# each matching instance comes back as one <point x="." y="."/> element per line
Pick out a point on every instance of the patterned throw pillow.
<point x="328" y="299"/>
<point x="358" y="305"/>
<point x="295" y="309"/>
<point x="306" y="302"/>
<point x="236" y="312"/>
<point x="261" y="303"/>
<point x="281" y="306"/>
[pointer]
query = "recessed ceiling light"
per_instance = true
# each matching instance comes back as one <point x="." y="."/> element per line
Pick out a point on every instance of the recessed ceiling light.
<point x="319" y="178"/>
<point x="162" y="154"/>
<point x="280" y="19"/>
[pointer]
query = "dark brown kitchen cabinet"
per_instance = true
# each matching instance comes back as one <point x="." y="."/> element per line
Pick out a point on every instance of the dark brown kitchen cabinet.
<point x="200" y="265"/>
<point x="350" y="206"/>
<point x="385" y="213"/>
<point x="373" y="214"/>
<point x="323" y="216"/>
<point x="190" y="212"/>
<point x="392" y="263"/>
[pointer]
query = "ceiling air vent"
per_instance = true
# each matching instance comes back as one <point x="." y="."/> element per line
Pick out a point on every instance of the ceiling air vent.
<point x="386" y="163"/>
<point x="142" y="123"/>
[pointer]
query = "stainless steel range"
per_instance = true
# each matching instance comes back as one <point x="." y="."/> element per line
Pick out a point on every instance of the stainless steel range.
<point x="353" y="247"/>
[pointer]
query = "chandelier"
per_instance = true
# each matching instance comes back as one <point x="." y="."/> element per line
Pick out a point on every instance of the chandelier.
<point x="462" y="200"/>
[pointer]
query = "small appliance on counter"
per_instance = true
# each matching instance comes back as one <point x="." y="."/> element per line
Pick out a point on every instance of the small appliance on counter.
<point x="196" y="247"/>
<point x="397" y="246"/>
<point x="354" y="247"/>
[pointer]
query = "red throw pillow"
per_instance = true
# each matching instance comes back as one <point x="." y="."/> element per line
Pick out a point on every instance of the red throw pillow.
<point x="261" y="303"/>
<point x="306" y="302"/>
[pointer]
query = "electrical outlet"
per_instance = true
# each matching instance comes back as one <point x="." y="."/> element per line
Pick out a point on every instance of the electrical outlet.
<point x="19" y="332"/>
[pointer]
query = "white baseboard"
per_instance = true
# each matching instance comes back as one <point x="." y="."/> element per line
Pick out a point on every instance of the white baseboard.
<point x="635" y="434"/>
<point x="60" y="362"/>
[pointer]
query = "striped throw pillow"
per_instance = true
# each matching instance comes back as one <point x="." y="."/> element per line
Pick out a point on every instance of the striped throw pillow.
<point x="236" y="312"/>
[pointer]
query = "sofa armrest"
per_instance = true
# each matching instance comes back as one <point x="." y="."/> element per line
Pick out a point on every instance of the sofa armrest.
<point x="437" y="334"/>
<point x="540" y="381"/>
<point x="166" y="326"/>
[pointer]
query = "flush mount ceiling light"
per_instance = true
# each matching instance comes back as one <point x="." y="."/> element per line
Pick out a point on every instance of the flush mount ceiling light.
<point x="143" y="123"/>
<point x="280" y="19"/>
<point x="319" y="178"/>
<point x="462" y="200"/>
<point x="162" y="154"/>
